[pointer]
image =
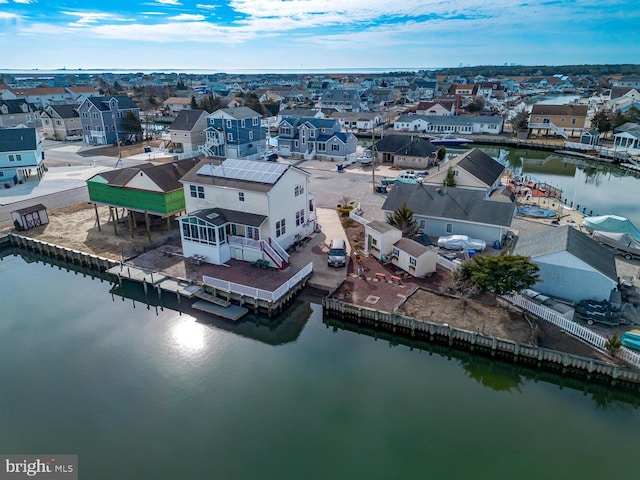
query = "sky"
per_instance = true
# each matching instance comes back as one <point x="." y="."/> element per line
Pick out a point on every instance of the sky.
<point x="228" y="35"/>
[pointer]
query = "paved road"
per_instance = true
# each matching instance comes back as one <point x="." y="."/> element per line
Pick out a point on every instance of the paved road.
<point x="52" y="200"/>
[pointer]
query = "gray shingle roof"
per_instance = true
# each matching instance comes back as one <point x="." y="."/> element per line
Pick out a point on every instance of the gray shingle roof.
<point x="65" y="111"/>
<point x="418" y="147"/>
<point x="240" y="112"/>
<point x="187" y="119"/>
<point x="102" y="103"/>
<point x="15" y="106"/>
<point x="481" y="166"/>
<point x="220" y="216"/>
<point x="568" y="239"/>
<point x="568" y="110"/>
<point x="167" y="175"/>
<point x="381" y="227"/>
<point x="450" y="203"/>
<point x="412" y="247"/>
<point x="392" y="143"/>
<point x="17" y="139"/>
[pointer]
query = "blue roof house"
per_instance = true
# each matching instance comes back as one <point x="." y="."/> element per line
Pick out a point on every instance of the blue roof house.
<point x="234" y="133"/>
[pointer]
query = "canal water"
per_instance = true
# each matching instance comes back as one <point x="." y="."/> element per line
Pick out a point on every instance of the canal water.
<point x="147" y="392"/>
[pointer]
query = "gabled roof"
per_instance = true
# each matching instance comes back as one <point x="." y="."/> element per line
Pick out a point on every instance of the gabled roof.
<point x="569" y="239"/>
<point x="481" y="166"/>
<point x="102" y="103"/>
<point x="392" y="143"/>
<point x="418" y="147"/>
<point x="15" y="106"/>
<point x="449" y="203"/>
<point x="237" y="113"/>
<point x="411" y="247"/>
<point x="254" y="175"/>
<point x="187" y="119"/>
<point x="567" y="110"/>
<point x="18" y="139"/>
<point x="64" y="111"/>
<point x="167" y="175"/>
<point x="381" y="227"/>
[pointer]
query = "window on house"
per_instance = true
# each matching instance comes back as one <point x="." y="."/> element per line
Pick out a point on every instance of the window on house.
<point x="12" y="158"/>
<point x="412" y="261"/>
<point x="335" y="147"/>
<point x="321" y="147"/>
<point x="228" y="123"/>
<point x="230" y="137"/>
<point x="298" y="190"/>
<point x="58" y="122"/>
<point x="285" y="130"/>
<point x="18" y="158"/>
<point x="281" y="228"/>
<point x="299" y="218"/>
<point x="95" y="115"/>
<point x="253" y="232"/>
<point x="242" y="123"/>
<point x="250" y="135"/>
<point x="296" y="144"/>
<point x="85" y="115"/>
<point x="573" y="121"/>
<point x="395" y="253"/>
<point x="254" y="121"/>
<point x="449" y="227"/>
<point x="196" y="191"/>
<point x="241" y="196"/>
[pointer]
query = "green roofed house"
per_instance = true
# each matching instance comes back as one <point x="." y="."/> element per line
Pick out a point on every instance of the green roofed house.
<point x="149" y="189"/>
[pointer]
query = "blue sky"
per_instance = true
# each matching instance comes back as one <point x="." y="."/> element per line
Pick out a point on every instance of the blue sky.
<point x="229" y="35"/>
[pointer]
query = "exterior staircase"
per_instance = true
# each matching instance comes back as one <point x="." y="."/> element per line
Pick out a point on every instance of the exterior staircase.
<point x="549" y="126"/>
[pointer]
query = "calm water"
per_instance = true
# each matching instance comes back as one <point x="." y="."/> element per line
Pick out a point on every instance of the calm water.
<point x="152" y="394"/>
<point x="601" y="188"/>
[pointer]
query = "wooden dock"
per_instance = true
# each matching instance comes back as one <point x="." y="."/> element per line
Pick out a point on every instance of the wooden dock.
<point x="230" y="312"/>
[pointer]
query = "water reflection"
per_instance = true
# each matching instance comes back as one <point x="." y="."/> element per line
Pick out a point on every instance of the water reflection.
<point x="188" y="335"/>
<point x="499" y="375"/>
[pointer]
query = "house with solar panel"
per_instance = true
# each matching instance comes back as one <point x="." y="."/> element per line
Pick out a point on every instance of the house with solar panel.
<point x="234" y="133"/>
<point x="315" y="138"/>
<point x="245" y="210"/>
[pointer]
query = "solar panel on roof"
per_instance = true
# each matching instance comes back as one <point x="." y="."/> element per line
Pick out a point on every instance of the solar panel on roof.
<point x="248" y="170"/>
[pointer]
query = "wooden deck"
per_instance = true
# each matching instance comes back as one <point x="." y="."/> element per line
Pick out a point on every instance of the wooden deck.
<point x="230" y="312"/>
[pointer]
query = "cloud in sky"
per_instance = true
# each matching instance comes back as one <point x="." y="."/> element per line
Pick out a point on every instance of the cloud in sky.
<point x="477" y="31"/>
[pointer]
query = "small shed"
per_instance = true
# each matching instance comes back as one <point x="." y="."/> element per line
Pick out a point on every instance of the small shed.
<point x="414" y="258"/>
<point x="592" y="137"/>
<point x="379" y="238"/>
<point x="30" y="217"/>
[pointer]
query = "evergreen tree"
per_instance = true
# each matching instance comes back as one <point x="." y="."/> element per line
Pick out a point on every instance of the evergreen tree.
<point x="194" y="104"/>
<point x="450" y="179"/>
<point x="442" y="152"/>
<point x="503" y="274"/>
<point x="131" y="123"/>
<point x="402" y="219"/>
<point x="601" y="122"/>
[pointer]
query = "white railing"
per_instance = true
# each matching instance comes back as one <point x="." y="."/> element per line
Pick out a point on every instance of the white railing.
<point x="550" y="126"/>
<point x="270" y="296"/>
<point x="358" y="218"/>
<point x="446" y="263"/>
<point x="191" y="154"/>
<point x="572" y="327"/>
<point x="278" y="248"/>
<point x="244" y="242"/>
<point x="279" y="261"/>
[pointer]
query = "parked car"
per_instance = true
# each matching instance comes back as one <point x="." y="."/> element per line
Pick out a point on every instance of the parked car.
<point x="461" y="242"/>
<point x="337" y="253"/>
<point x="270" y="156"/>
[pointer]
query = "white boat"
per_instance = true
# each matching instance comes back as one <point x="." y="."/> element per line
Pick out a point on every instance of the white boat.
<point x="450" y="139"/>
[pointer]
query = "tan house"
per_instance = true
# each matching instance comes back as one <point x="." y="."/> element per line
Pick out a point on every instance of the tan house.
<point x="61" y="122"/>
<point x="473" y="170"/>
<point x="557" y="120"/>
<point x="177" y="104"/>
<point x="187" y="132"/>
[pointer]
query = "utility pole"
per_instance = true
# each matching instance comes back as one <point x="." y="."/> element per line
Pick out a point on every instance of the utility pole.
<point x="373" y="158"/>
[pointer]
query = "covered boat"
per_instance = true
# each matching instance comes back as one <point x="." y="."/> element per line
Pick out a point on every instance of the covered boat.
<point x="623" y="243"/>
<point x="612" y="223"/>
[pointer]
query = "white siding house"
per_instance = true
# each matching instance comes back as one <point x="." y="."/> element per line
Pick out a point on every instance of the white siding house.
<point x="246" y="210"/>
<point x="414" y="258"/>
<point x="379" y="238"/>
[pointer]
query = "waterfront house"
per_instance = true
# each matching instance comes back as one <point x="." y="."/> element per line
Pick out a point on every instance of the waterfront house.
<point x="467" y="124"/>
<point x="572" y="265"/>
<point x="20" y="152"/>
<point x="379" y="238"/>
<point x="442" y="211"/>
<point x="437" y="108"/>
<point x="246" y="210"/>
<point x="360" y="121"/>
<point x="315" y="138"/>
<point x="175" y="105"/>
<point x="102" y="119"/>
<point x="563" y="120"/>
<point x="147" y="189"/>
<point x="187" y="131"/>
<point x="234" y="133"/>
<point x="414" y="258"/>
<point x="473" y="169"/>
<point x="39" y="96"/>
<point x="405" y="151"/>
<point x="61" y="122"/>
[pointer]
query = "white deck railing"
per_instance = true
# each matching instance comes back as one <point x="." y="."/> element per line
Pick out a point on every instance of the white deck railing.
<point x="270" y="296"/>
<point x="572" y="327"/>
<point x="278" y="248"/>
